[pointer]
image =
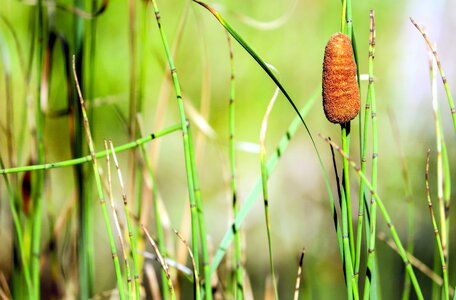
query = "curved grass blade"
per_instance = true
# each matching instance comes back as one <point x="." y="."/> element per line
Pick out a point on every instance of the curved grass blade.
<point x="271" y="75"/>
<point x="257" y="58"/>
<point x="264" y="183"/>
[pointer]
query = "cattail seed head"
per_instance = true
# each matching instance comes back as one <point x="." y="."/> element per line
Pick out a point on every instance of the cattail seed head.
<point x="340" y="87"/>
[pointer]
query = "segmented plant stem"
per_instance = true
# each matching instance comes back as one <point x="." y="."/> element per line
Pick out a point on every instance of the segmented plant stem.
<point x="201" y="222"/>
<point x="364" y="143"/>
<point x="117" y="224"/>
<point x="88" y="158"/>
<point x="101" y="199"/>
<point x="130" y="228"/>
<point x="346" y="186"/>
<point x="386" y="216"/>
<point x="371" y="257"/>
<point x="188" y="156"/>
<point x="298" y="276"/>
<point x="440" y="145"/>
<point x="438" y="238"/>
<point x="442" y="74"/>
<point x="19" y="236"/>
<point x="239" y="270"/>
<point x="39" y="176"/>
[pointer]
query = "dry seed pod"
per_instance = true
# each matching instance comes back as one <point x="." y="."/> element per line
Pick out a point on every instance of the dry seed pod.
<point x="340" y="87"/>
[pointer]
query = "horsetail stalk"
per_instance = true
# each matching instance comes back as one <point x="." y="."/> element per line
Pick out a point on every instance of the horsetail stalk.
<point x="38" y="188"/>
<point x="438" y="239"/>
<point x="117" y="225"/>
<point x="89" y="158"/>
<point x="442" y="74"/>
<point x="201" y="222"/>
<point x="441" y="255"/>
<point x="19" y="237"/>
<point x="371" y="257"/>
<point x="188" y="155"/>
<point x="239" y="270"/>
<point x="115" y="257"/>
<point x="363" y="142"/>
<point x="131" y="230"/>
<point x="386" y="216"/>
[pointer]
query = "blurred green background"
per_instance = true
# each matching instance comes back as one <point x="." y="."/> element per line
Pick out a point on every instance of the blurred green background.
<point x="291" y="36"/>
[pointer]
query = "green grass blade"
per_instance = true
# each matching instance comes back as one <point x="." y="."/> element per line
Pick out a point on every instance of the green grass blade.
<point x="264" y="184"/>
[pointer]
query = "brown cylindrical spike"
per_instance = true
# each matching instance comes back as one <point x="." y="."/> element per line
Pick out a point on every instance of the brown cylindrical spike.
<point x="340" y="87"/>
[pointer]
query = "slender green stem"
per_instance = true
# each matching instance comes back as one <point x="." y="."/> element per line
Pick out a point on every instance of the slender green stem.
<point x="369" y="285"/>
<point x="346" y="211"/>
<point x="442" y="240"/>
<point x="346" y="186"/>
<point x="363" y="144"/>
<point x="239" y="270"/>
<point x="438" y="239"/>
<point x="39" y="176"/>
<point x="342" y="19"/>
<point x="130" y="228"/>
<point x="112" y="244"/>
<point x="348" y="266"/>
<point x="19" y="236"/>
<point x="201" y="222"/>
<point x="88" y="158"/>
<point x="127" y="270"/>
<point x="386" y="216"/>
<point x="189" y="156"/>
<point x="348" y="19"/>
<point x="442" y="74"/>
<point x="264" y="183"/>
